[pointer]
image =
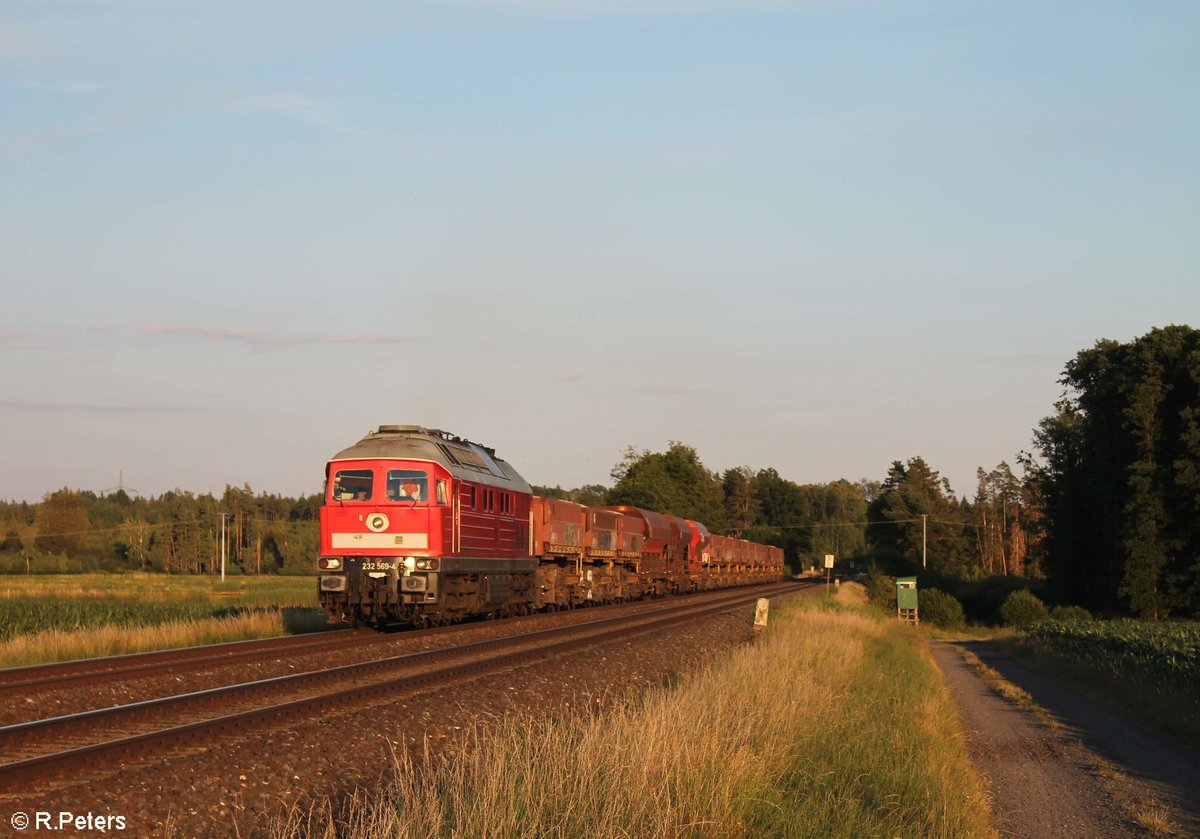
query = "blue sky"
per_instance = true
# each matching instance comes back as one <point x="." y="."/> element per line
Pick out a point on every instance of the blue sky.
<point x="813" y="236"/>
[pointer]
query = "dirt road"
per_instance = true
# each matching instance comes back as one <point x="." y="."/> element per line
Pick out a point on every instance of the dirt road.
<point x="1046" y="784"/>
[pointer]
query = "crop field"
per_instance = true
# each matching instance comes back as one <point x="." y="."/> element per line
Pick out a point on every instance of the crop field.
<point x="1149" y="669"/>
<point x="1168" y="652"/>
<point x="52" y="617"/>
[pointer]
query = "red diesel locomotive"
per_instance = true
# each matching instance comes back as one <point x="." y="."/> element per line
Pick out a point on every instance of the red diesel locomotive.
<point x="421" y="526"/>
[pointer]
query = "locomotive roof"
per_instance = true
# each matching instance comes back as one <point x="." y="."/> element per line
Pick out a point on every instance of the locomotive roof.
<point x="464" y="460"/>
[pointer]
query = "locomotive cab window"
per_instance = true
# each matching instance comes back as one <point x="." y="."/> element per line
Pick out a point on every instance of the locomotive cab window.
<point x="352" y="485"/>
<point x="410" y="485"/>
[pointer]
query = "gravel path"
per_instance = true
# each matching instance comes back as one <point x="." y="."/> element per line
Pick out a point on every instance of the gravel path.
<point x="1043" y="785"/>
<point x="1154" y="765"/>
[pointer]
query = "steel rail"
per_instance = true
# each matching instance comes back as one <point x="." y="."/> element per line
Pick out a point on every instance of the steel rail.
<point x="133" y="665"/>
<point x="53" y="675"/>
<point x="58" y="763"/>
<point x="17" y="734"/>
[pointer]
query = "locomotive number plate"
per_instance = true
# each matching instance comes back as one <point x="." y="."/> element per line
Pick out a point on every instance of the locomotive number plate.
<point x="378" y="565"/>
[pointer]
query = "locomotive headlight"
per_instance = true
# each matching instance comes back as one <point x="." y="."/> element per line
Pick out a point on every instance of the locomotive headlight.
<point x="329" y="563"/>
<point x="410" y="563"/>
<point x="427" y="564"/>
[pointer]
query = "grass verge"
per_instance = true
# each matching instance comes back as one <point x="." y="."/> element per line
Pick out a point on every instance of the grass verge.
<point x="835" y="724"/>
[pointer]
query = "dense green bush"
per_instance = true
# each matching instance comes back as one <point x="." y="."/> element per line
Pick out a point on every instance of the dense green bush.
<point x="1070" y="614"/>
<point x="880" y="587"/>
<point x="1023" y="608"/>
<point x="982" y="598"/>
<point x="939" y="608"/>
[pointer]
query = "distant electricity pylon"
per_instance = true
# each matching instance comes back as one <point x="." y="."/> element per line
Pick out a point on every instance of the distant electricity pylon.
<point x="120" y="487"/>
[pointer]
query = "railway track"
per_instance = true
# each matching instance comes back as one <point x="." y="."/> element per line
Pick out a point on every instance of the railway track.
<point x="38" y="677"/>
<point x="56" y="746"/>
<point x="56" y="675"/>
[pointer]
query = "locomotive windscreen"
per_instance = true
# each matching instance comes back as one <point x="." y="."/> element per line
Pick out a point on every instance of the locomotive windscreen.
<point x="407" y="485"/>
<point x="352" y="485"/>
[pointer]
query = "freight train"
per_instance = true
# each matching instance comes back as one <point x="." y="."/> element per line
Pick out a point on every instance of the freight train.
<point x="424" y="527"/>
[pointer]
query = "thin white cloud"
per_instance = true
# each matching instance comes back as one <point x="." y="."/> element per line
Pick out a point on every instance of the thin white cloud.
<point x="160" y="106"/>
<point x="669" y="390"/>
<point x="24" y="43"/>
<point x="91" y="336"/>
<point x="132" y="112"/>
<point x="254" y="338"/>
<point x="306" y="109"/>
<point x="16" y="341"/>
<point x="75" y="87"/>
<point x="28" y="406"/>
<point x="599" y="8"/>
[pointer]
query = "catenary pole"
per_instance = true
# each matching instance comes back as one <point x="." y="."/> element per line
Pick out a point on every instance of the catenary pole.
<point x="923" y="517"/>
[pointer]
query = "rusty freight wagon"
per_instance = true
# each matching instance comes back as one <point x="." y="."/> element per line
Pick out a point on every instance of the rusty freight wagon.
<point x="422" y="526"/>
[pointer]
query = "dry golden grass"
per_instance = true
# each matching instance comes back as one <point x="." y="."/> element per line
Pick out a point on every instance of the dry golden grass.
<point x="851" y="593"/>
<point x="1154" y="819"/>
<point x="835" y="724"/>
<point x="62" y="645"/>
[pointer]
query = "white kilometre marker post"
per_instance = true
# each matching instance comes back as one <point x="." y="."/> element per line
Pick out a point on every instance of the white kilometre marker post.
<point x="760" y="613"/>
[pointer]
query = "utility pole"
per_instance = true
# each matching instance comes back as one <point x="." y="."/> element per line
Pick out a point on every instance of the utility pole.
<point x="222" y="547"/>
<point x="923" y="517"/>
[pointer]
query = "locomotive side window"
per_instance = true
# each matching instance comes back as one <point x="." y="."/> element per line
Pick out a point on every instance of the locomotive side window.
<point x="352" y="485"/>
<point x="443" y="493"/>
<point x="407" y="485"/>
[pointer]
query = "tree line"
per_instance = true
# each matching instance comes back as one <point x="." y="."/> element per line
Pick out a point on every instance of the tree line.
<point x="1105" y="513"/>
<point x="176" y="533"/>
<point x="1116" y="475"/>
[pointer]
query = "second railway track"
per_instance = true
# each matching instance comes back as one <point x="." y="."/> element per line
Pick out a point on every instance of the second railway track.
<point x="55" y="746"/>
<point x="36" y="678"/>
